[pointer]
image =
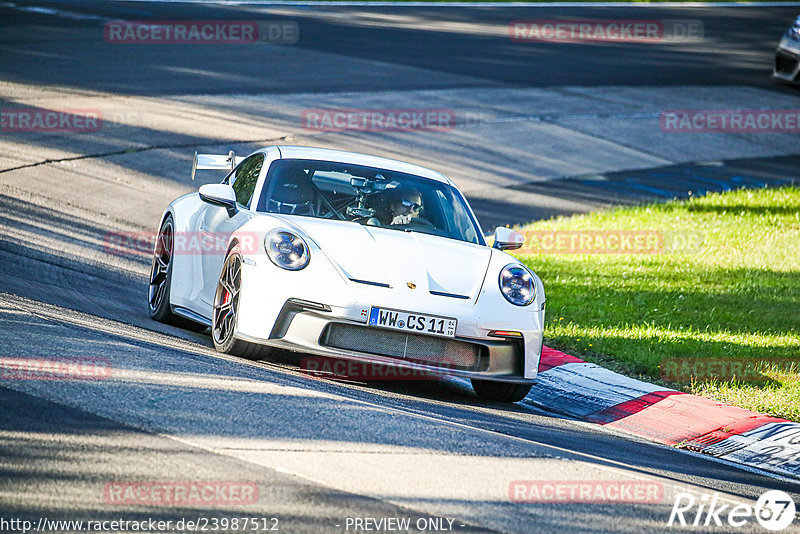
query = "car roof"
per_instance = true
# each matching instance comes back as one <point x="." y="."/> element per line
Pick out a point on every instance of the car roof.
<point x="341" y="156"/>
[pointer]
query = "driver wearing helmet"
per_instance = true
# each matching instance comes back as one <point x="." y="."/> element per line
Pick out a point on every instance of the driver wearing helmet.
<point x="293" y="193"/>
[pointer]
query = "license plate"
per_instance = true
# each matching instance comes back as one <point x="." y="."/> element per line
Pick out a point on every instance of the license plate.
<point x="419" y="323"/>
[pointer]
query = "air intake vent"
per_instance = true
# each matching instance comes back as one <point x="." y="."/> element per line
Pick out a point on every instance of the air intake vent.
<point x="437" y="351"/>
<point x="785" y="65"/>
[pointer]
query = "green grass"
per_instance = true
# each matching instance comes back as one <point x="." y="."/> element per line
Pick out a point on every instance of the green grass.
<point x="735" y="295"/>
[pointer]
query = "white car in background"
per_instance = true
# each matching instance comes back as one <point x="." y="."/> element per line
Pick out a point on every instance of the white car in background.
<point x="787" y="55"/>
<point x="349" y="256"/>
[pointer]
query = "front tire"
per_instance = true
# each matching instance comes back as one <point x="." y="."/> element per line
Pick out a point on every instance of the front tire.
<point x="161" y="280"/>
<point x="225" y="315"/>
<point x="500" y="391"/>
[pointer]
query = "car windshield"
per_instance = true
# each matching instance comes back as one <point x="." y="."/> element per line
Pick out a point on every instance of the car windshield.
<point x="368" y="196"/>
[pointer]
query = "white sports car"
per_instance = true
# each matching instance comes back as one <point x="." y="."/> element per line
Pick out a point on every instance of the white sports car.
<point x="787" y="55"/>
<point x="352" y="257"/>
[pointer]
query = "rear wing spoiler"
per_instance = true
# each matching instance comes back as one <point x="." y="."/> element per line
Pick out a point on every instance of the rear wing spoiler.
<point x="216" y="162"/>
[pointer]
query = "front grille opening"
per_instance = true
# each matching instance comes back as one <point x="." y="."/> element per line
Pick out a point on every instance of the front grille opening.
<point x="440" y="352"/>
<point x="785" y="65"/>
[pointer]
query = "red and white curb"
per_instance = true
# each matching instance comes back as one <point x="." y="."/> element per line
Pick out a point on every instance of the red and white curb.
<point x="588" y="392"/>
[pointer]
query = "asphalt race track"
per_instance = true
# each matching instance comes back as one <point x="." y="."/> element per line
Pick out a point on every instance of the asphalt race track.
<point x="540" y="129"/>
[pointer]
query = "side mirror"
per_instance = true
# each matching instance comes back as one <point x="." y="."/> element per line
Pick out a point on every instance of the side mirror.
<point x="507" y="239"/>
<point x="219" y="195"/>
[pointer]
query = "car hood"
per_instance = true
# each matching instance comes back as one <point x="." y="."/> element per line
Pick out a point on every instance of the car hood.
<point x="374" y="255"/>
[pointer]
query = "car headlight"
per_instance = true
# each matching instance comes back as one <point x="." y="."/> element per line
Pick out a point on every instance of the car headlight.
<point x="794" y="31"/>
<point x="516" y="285"/>
<point x="286" y="250"/>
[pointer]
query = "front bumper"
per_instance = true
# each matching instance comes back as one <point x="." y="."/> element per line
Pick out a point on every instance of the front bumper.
<point x="787" y="61"/>
<point x="319" y="330"/>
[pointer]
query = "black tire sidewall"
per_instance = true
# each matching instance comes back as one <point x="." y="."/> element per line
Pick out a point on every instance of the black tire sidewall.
<point x="163" y="312"/>
<point x="228" y="346"/>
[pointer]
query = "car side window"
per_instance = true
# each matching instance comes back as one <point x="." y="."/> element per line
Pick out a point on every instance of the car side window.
<point x="245" y="178"/>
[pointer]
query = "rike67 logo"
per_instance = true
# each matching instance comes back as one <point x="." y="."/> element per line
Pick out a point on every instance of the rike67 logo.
<point x="774" y="510"/>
